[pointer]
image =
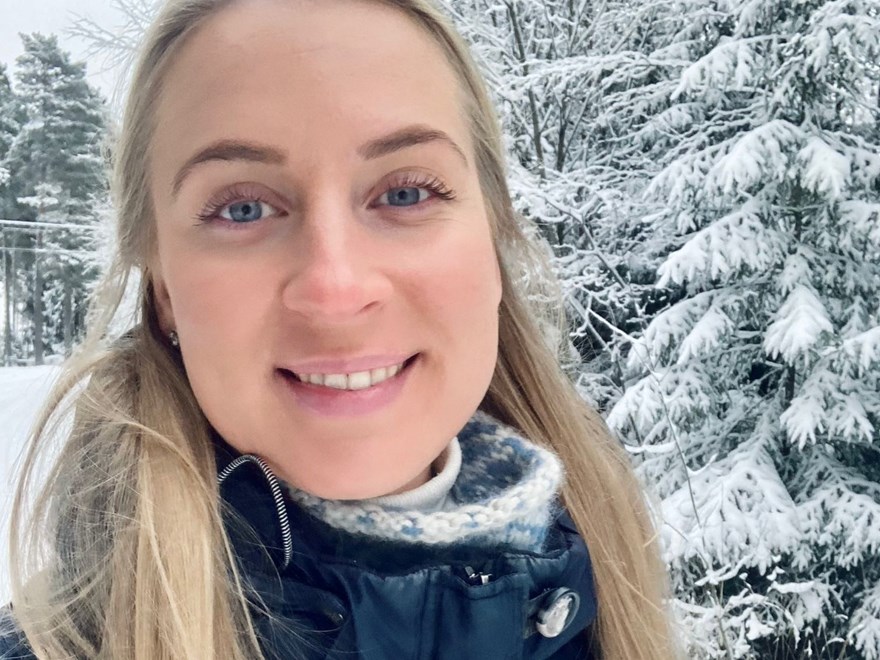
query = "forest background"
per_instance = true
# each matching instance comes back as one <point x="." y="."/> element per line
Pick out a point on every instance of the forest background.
<point x="706" y="175"/>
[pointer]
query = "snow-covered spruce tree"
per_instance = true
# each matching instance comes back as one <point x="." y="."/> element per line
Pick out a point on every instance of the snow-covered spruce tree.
<point x="7" y="120"/>
<point x="8" y="129"/>
<point x="755" y="395"/>
<point x="55" y="175"/>
<point x="574" y="87"/>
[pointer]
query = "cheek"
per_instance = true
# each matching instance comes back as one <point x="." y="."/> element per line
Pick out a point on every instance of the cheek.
<point x="469" y="279"/>
<point x="209" y="296"/>
<point x="461" y="288"/>
<point x="222" y="309"/>
<point x="218" y="304"/>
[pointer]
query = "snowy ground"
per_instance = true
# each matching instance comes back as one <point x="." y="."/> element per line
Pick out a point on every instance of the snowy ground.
<point x="22" y="390"/>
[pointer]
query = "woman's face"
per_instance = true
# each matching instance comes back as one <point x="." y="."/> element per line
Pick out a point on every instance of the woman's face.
<point x="319" y="219"/>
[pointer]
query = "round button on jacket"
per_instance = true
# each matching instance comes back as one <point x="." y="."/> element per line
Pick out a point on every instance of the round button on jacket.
<point x="559" y="609"/>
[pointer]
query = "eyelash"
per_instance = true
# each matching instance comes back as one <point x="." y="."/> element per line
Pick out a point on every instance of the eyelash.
<point x="211" y="212"/>
<point x="430" y="183"/>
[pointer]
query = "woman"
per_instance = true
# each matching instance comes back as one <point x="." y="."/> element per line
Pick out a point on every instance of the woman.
<point x="335" y="429"/>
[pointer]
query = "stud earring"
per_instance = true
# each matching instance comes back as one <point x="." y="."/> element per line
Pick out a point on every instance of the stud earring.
<point x="174" y="339"/>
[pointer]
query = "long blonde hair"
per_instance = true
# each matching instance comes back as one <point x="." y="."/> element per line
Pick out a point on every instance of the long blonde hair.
<point x="123" y="553"/>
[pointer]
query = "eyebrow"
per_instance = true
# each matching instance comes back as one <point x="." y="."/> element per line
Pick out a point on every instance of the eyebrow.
<point x="239" y="150"/>
<point x="228" y="150"/>
<point x="409" y="136"/>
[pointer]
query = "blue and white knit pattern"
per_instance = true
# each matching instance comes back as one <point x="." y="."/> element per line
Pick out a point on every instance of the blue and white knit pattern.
<point x="505" y="494"/>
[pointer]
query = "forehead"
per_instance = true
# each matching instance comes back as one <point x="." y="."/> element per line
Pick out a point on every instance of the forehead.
<point x="293" y="73"/>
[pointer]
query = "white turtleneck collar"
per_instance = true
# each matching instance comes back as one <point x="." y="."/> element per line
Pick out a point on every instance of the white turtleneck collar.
<point x="433" y="495"/>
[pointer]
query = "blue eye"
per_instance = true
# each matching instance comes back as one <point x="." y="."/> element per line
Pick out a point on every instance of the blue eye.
<point x="247" y="211"/>
<point x="408" y="196"/>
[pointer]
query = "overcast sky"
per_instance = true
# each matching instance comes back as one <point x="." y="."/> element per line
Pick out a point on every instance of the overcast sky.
<point x="55" y="17"/>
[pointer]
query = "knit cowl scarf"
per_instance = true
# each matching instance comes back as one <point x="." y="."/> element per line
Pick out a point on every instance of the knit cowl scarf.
<point x="497" y="488"/>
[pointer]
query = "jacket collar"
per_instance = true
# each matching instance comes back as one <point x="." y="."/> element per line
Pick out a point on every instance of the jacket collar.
<point x="261" y="519"/>
<point x="295" y="560"/>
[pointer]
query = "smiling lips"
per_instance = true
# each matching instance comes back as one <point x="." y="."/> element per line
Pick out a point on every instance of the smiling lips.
<point x="359" y="380"/>
<point x="346" y="394"/>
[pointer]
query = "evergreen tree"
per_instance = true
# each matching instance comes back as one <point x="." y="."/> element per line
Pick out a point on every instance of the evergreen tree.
<point x="7" y="120"/>
<point x="754" y="396"/>
<point x="8" y="129"/>
<point x="56" y="176"/>
<point x="573" y="84"/>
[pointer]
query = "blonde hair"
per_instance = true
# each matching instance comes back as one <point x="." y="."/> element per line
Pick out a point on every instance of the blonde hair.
<point x="124" y="553"/>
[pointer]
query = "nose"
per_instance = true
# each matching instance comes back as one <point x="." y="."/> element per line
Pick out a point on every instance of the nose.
<point x="337" y="268"/>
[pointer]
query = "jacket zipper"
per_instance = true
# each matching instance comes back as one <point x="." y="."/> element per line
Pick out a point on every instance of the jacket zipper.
<point x="275" y="487"/>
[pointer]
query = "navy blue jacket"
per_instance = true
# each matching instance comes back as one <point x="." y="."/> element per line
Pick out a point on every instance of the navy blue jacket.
<point x="334" y="595"/>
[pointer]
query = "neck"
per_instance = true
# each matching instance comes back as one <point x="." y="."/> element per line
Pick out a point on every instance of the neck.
<point x="420" y="480"/>
<point x="426" y="475"/>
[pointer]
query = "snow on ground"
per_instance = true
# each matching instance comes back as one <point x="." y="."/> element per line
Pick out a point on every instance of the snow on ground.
<point x="22" y="391"/>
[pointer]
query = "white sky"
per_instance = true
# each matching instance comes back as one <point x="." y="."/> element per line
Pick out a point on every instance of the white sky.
<point x="55" y="17"/>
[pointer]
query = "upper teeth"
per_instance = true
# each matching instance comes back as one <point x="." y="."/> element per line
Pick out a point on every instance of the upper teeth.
<point x="359" y="380"/>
